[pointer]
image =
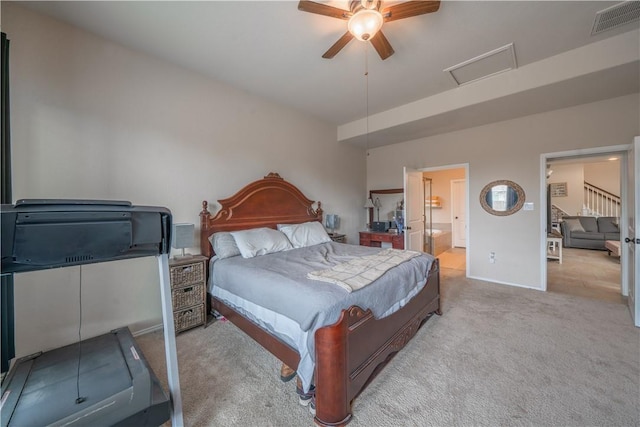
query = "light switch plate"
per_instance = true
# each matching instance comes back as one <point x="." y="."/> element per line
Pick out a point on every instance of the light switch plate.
<point x="528" y="206"/>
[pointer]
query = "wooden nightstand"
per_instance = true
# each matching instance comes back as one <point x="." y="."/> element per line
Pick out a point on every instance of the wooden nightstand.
<point x="340" y="238"/>
<point x="188" y="291"/>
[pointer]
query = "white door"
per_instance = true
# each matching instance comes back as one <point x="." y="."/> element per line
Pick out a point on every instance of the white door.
<point x="631" y="241"/>
<point x="413" y="210"/>
<point x="459" y="213"/>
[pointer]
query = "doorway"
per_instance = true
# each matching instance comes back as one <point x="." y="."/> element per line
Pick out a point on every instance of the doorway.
<point x="583" y="208"/>
<point x="445" y="183"/>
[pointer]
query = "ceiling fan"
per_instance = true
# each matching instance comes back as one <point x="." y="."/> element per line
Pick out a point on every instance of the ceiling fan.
<point x="365" y="19"/>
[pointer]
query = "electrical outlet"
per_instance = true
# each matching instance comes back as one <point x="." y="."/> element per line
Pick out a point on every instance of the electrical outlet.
<point x="492" y="257"/>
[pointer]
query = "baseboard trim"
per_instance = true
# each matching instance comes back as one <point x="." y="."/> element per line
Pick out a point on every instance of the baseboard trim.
<point x="148" y="330"/>
<point x="500" y="282"/>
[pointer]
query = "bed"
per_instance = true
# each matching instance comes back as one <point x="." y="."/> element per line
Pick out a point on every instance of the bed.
<point x="347" y="352"/>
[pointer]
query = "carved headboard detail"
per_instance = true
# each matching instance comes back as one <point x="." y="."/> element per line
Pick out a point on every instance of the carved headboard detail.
<point x="263" y="203"/>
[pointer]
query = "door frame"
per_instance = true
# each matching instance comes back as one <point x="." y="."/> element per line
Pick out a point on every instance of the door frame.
<point x="632" y="252"/>
<point x="618" y="150"/>
<point x="464" y="166"/>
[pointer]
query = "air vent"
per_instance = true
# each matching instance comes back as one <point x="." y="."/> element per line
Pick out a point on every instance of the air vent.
<point x="485" y="65"/>
<point x="615" y="16"/>
<point x="77" y="258"/>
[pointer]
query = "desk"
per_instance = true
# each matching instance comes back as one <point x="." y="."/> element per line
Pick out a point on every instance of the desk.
<point x="375" y="239"/>
<point x="554" y="247"/>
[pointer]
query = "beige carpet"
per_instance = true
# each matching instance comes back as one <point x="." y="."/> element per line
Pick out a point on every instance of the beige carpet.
<point x="586" y="272"/>
<point x="499" y="356"/>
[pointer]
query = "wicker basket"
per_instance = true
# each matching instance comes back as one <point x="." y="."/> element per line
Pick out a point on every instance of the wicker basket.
<point x="183" y="275"/>
<point x="189" y="318"/>
<point x="187" y="296"/>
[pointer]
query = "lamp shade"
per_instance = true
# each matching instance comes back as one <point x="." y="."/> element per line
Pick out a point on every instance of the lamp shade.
<point x="332" y="221"/>
<point x="365" y="24"/>
<point x="369" y="204"/>
<point x="182" y="236"/>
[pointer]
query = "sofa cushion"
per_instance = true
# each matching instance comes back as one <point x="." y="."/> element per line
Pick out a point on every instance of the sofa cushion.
<point x="608" y="224"/>
<point x="589" y="223"/>
<point x="573" y="224"/>
<point x="611" y="236"/>
<point x="587" y="235"/>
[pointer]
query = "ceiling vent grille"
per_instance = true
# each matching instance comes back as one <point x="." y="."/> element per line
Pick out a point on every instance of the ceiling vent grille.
<point x="615" y="16"/>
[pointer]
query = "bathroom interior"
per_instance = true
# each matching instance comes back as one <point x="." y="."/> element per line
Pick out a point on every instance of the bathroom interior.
<point x="438" y="212"/>
<point x="438" y="204"/>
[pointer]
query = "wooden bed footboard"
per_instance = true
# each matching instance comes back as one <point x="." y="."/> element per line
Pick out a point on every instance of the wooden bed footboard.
<point x="351" y="352"/>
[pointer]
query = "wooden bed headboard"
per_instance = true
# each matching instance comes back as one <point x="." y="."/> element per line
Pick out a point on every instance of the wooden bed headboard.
<point x="263" y="203"/>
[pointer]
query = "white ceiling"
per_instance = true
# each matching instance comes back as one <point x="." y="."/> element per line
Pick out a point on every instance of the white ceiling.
<point x="271" y="49"/>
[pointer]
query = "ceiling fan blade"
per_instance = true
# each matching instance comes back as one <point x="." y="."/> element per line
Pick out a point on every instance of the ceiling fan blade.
<point x="337" y="46"/>
<point x="409" y="9"/>
<point x="323" y="9"/>
<point x="382" y="45"/>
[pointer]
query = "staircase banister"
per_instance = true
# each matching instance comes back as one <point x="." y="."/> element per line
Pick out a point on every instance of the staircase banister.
<point x="601" y="190"/>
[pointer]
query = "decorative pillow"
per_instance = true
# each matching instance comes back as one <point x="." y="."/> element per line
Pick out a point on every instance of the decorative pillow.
<point x="305" y="234"/>
<point x="574" y="224"/>
<point x="608" y="224"/>
<point x="260" y="241"/>
<point x="224" y="245"/>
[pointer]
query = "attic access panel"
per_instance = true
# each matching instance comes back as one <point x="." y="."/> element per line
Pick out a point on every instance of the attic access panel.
<point x="486" y="65"/>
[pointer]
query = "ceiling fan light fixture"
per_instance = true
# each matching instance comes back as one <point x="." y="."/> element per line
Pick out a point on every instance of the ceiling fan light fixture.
<point x="365" y="23"/>
<point x="369" y="4"/>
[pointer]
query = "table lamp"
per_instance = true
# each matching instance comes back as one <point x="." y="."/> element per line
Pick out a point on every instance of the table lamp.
<point x="332" y="222"/>
<point x="182" y="238"/>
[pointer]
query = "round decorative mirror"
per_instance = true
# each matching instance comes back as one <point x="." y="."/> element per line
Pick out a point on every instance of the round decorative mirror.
<point x="502" y="197"/>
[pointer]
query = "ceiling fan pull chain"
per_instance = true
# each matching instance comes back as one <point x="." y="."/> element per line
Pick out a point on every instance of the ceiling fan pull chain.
<point x="366" y="77"/>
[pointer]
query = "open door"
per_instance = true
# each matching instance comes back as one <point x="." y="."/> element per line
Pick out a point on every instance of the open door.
<point x="631" y="241"/>
<point x="459" y="213"/>
<point x="414" y="210"/>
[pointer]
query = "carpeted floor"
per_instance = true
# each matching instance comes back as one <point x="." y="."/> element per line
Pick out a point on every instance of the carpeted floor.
<point x="586" y="272"/>
<point x="498" y="356"/>
<point x="583" y="272"/>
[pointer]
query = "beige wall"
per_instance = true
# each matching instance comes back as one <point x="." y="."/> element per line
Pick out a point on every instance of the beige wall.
<point x="92" y="119"/>
<point x="605" y="175"/>
<point x="572" y="174"/>
<point x="509" y="150"/>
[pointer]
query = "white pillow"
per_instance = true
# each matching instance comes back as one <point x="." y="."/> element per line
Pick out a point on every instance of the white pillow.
<point x="260" y="241"/>
<point x="224" y="245"/>
<point x="306" y="234"/>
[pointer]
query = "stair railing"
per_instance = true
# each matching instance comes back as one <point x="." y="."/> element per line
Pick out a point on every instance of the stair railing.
<point x="557" y="213"/>
<point x="600" y="202"/>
